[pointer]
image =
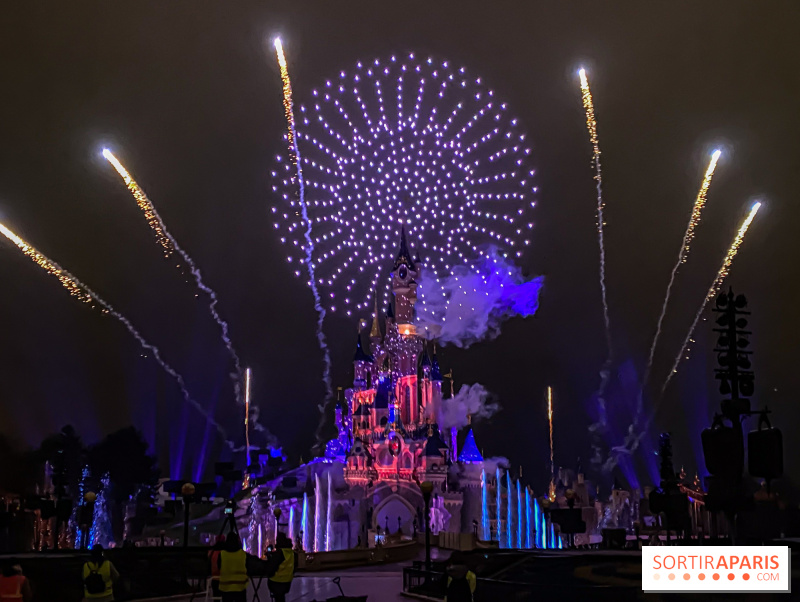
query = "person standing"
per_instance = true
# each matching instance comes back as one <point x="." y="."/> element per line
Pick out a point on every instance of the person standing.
<point x="14" y="586"/>
<point x="233" y="570"/>
<point x="461" y="581"/>
<point x="99" y="576"/>
<point x="213" y="556"/>
<point x="280" y="568"/>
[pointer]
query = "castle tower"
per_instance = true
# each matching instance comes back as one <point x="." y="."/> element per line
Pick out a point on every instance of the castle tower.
<point x="362" y="366"/>
<point x="404" y="285"/>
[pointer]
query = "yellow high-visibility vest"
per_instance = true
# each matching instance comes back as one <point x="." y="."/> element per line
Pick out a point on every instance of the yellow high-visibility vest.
<point x="285" y="571"/>
<point x="233" y="572"/>
<point x="104" y="570"/>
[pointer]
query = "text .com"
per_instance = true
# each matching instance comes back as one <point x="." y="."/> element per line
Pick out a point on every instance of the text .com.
<point x="716" y="568"/>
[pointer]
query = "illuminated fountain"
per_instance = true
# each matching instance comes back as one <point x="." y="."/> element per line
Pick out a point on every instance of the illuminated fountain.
<point x="318" y="535"/>
<point x="519" y="516"/>
<point x="509" y="507"/>
<point x="329" y="514"/>
<point x="487" y="533"/>
<point x="306" y="524"/>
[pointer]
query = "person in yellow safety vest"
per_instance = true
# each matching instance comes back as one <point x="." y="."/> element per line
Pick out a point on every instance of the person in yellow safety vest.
<point x="99" y="576"/>
<point x="280" y="568"/>
<point x="233" y="577"/>
<point x="461" y="581"/>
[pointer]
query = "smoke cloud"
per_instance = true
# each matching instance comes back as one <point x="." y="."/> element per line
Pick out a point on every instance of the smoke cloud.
<point x="471" y="304"/>
<point x="471" y="400"/>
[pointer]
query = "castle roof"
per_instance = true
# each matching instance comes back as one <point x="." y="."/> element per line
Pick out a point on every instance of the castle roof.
<point x="403" y="254"/>
<point x="375" y="332"/>
<point x="382" y="394"/>
<point x="361" y="355"/>
<point x="469" y="451"/>
<point x="436" y="372"/>
<point x="426" y="361"/>
<point x="434" y="445"/>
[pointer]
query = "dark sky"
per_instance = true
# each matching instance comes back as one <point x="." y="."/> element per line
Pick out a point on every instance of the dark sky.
<point x="188" y="94"/>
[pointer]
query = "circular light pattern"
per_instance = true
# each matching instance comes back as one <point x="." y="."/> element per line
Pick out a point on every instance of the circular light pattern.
<point x="403" y="142"/>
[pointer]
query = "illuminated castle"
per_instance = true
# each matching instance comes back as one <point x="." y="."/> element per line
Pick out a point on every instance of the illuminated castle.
<point x="389" y="440"/>
<point x="366" y="487"/>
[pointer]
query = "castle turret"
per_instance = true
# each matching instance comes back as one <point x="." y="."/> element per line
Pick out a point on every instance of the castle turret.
<point x="404" y="285"/>
<point x="362" y="366"/>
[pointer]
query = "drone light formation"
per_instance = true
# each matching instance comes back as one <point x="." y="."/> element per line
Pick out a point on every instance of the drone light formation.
<point x="591" y="126"/>
<point x="78" y="289"/>
<point x="683" y="254"/>
<point x="170" y="245"/>
<point x="715" y="286"/>
<point x="401" y="141"/>
<point x="296" y="189"/>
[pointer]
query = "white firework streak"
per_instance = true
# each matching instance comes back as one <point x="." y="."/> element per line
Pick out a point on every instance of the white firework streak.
<point x="80" y="290"/>
<point x="309" y="246"/>
<point x="683" y="255"/>
<point x="168" y="242"/>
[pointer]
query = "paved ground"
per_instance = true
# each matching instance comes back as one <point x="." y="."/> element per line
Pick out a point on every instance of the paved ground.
<point x="378" y="583"/>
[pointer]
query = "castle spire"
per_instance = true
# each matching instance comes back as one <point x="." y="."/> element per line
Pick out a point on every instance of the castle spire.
<point x="403" y="254"/>
<point x="375" y="332"/>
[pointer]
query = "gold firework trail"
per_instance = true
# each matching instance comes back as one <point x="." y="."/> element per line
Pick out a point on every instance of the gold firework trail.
<point x="715" y="286"/>
<point x="81" y="291"/>
<point x="683" y="254"/>
<point x="150" y="214"/>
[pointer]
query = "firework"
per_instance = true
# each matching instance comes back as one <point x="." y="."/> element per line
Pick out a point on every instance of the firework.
<point x="552" y="491"/>
<point x="247" y="376"/>
<point x="402" y="142"/>
<point x="170" y="245"/>
<point x="305" y="226"/>
<point x="78" y="289"/>
<point x="683" y="254"/>
<point x="715" y="286"/>
<point x="591" y="125"/>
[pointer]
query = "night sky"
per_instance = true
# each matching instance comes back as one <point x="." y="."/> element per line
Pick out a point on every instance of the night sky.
<point x="188" y="96"/>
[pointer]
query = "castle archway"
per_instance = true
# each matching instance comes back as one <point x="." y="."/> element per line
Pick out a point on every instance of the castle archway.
<point x="391" y="509"/>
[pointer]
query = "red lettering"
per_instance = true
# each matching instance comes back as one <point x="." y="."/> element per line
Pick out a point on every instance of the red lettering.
<point x="774" y="560"/>
<point x="709" y="562"/>
<point x="745" y="563"/>
<point x="672" y="562"/>
<point x="681" y="562"/>
<point x="757" y="563"/>
<point x="734" y="561"/>
<point x="721" y="563"/>
<point x="657" y="561"/>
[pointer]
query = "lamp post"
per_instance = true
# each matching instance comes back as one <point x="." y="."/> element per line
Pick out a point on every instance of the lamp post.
<point x="427" y="488"/>
<point x="86" y="515"/>
<point x="187" y="491"/>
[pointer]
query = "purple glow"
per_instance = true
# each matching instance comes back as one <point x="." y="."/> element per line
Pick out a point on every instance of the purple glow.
<point x="471" y="303"/>
<point x="403" y="143"/>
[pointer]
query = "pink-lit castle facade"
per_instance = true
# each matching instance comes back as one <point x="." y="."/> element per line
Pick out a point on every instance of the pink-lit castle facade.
<point x="388" y="439"/>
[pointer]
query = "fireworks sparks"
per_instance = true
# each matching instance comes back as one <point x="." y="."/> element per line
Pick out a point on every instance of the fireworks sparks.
<point x="170" y="245"/>
<point x="591" y="125"/>
<point x="305" y="226"/>
<point x="401" y="141"/>
<point x="552" y="491"/>
<point x="247" y="377"/>
<point x="683" y="254"/>
<point x="150" y="214"/>
<point x="78" y="289"/>
<point x="715" y="286"/>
